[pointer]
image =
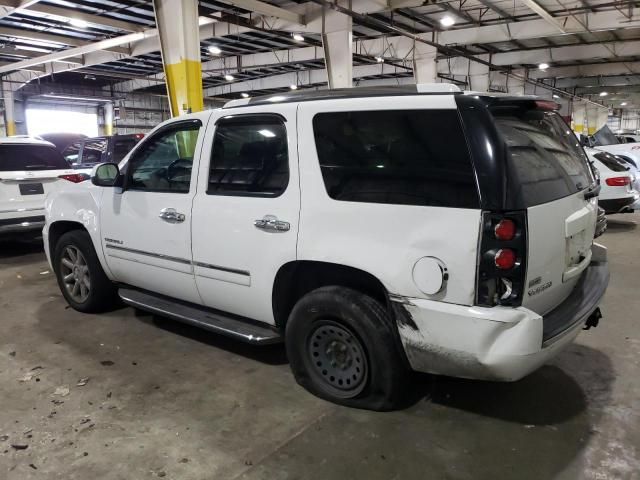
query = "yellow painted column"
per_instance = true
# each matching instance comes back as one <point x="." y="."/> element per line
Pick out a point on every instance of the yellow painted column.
<point x="177" y="22"/>
<point x="9" y="119"/>
<point x="108" y="118"/>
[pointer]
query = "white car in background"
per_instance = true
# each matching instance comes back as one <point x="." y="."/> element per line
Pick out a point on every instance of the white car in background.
<point x="617" y="193"/>
<point x="29" y="169"/>
<point x="628" y="138"/>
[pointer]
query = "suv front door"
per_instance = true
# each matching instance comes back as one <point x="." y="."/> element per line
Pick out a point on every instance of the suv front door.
<point x="245" y="216"/>
<point x="146" y="229"/>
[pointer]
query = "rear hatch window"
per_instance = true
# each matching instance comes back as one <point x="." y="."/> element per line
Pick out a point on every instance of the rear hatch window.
<point x="30" y="157"/>
<point x="544" y="158"/>
<point x="611" y="162"/>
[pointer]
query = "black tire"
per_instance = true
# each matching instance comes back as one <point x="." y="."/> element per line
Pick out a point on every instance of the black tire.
<point x="102" y="293"/>
<point x="330" y="318"/>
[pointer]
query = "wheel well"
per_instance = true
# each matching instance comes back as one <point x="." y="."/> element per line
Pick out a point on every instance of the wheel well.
<point x="296" y="279"/>
<point x="57" y="229"/>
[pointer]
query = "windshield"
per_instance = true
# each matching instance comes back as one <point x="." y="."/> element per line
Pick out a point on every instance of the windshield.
<point x="605" y="136"/>
<point x="30" y="157"/>
<point x="545" y="159"/>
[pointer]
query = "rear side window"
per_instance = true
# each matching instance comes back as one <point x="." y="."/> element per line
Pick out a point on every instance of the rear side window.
<point x="250" y="157"/>
<point x="93" y="150"/>
<point x="30" y="157"/>
<point x="545" y="159"/>
<point x="405" y="157"/>
<point x="122" y="146"/>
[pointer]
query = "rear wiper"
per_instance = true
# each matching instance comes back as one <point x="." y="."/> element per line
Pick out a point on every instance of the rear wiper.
<point x="592" y="191"/>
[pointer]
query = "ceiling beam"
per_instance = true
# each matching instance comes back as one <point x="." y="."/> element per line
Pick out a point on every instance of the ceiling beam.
<point x="87" y="17"/>
<point x="589" y="70"/>
<point x="546" y="16"/>
<point x="268" y="9"/>
<point x="85" y="49"/>
<point x="9" y="7"/>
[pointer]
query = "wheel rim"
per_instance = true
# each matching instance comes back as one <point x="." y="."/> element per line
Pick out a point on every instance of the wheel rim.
<point x="75" y="274"/>
<point x="338" y="359"/>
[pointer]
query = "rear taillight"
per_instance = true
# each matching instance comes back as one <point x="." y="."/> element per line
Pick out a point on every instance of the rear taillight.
<point x="505" y="229"/>
<point x="505" y="259"/>
<point x="618" y="181"/>
<point x="75" y="177"/>
<point x="502" y="259"/>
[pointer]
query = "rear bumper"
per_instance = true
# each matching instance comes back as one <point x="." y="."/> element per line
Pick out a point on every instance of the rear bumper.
<point x="21" y="224"/>
<point x="619" y="205"/>
<point x="499" y="343"/>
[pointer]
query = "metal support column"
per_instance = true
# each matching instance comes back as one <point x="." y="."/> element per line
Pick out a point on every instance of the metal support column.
<point x="424" y="63"/>
<point x="337" y="42"/>
<point x="108" y="118"/>
<point x="177" y="22"/>
<point x="9" y="117"/>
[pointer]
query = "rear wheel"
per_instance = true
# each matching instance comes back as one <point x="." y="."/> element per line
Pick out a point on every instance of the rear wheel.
<point x="342" y="347"/>
<point x="80" y="276"/>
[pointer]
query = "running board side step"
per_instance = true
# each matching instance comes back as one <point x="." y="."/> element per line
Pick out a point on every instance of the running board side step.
<point x="243" y="330"/>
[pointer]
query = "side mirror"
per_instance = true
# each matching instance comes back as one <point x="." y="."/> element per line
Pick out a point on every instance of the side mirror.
<point x="106" y="175"/>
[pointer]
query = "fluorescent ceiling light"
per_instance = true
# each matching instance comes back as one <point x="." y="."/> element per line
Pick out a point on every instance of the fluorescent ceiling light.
<point x="293" y="87"/>
<point x="228" y="77"/>
<point x="78" y="22"/>
<point x="604" y="94"/>
<point x="379" y="59"/>
<point x="298" y="38"/>
<point x="543" y="66"/>
<point x="623" y="104"/>
<point x="215" y="50"/>
<point x="244" y="95"/>
<point x="267" y="133"/>
<point x="447" y="21"/>
<point x="556" y="96"/>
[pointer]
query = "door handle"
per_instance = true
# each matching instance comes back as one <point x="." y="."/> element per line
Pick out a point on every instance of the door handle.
<point x="271" y="222"/>
<point x="170" y="215"/>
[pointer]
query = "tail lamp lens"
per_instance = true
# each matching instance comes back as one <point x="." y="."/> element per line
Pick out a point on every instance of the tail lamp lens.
<point x="505" y="230"/>
<point x="75" y="177"/>
<point x="618" y="181"/>
<point x="505" y="259"/>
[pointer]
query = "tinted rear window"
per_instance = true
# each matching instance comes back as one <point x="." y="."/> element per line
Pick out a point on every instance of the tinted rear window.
<point x="611" y="162"/>
<point x="30" y="157"/>
<point x="545" y="159"/>
<point x="407" y="157"/>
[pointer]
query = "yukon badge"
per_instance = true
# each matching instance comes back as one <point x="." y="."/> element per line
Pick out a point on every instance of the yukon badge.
<point x="536" y="291"/>
<point x="111" y="240"/>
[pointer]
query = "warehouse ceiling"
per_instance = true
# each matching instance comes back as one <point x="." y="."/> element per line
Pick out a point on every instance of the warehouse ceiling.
<point x="592" y="45"/>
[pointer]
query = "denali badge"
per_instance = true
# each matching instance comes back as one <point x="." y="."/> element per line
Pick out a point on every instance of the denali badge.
<point x="111" y="240"/>
<point x="535" y="281"/>
<point x="540" y="289"/>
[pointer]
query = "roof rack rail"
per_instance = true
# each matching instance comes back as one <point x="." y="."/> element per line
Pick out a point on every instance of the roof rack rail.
<point x="343" y="93"/>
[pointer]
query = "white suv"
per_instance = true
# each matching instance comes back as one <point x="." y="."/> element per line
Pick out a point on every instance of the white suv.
<point x="29" y="170"/>
<point x="373" y="230"/>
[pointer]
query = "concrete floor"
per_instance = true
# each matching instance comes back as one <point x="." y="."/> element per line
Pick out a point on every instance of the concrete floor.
<point x="165" y="400"/>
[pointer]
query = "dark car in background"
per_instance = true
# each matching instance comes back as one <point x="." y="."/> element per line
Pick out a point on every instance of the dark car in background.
<point x="88" y="152"/>
<point x="62" y="140"/>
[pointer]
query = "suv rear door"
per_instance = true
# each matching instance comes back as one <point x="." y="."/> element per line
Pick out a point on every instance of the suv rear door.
<point x="245" y="215"/>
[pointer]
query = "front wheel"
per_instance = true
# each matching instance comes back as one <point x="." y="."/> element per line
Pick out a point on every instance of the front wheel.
<point x="341" y="346"/>
<point x="81" y="278"/>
